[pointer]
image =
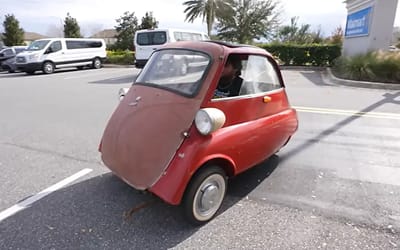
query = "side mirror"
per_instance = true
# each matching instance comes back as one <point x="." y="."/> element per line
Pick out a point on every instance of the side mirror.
<point x="122" y="92"/>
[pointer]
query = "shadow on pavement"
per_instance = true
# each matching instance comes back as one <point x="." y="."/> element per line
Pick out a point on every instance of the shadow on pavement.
<point x="315" y="77"/>
<point x="98" y="213"/>
<point x="117" y="80"/>
<point x="387" y="98"/>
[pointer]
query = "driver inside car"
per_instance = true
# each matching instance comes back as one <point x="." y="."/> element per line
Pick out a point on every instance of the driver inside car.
<point x="230" y="82"/>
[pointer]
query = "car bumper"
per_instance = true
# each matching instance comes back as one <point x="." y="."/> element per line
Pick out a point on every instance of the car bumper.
<point x="29" y="67"/>
<point x="140" y="63"/>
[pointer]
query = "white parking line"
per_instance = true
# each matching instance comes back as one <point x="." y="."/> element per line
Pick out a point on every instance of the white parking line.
<point x="26" y="203"/>
<point x="381" y="115"/>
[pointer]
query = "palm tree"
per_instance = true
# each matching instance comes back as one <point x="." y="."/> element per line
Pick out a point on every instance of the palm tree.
<point x="209" y="10"/>
<point x="250" y="19"/>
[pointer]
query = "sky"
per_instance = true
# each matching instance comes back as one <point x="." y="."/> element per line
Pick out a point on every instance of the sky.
<point x="46" y="16"/>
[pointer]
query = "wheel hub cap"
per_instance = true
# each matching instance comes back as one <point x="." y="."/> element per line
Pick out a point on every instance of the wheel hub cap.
<point x="209" y="197"/>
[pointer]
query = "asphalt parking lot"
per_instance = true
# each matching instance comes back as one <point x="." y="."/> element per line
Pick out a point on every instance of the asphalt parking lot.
<point x="335" y="185"/>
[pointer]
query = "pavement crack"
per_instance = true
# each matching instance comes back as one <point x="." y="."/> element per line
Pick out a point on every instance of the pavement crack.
<point x="50" y="152"/>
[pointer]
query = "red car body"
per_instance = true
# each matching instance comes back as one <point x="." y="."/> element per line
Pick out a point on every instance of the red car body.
<point x="152" y="142"/>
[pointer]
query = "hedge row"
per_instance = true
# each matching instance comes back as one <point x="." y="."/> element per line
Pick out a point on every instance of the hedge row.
<point x="125" y="57"/>
<point x="304" y="55"/>
<point x="287" y="54"/>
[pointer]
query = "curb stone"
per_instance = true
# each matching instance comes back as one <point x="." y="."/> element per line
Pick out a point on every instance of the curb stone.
<point x="107" y="65"/>
<point x="327" y="75"/>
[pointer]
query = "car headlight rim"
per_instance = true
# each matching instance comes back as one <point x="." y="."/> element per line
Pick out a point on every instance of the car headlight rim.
<point x="208" y="120"/>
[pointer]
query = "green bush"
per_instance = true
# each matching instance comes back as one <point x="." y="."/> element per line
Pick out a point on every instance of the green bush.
<point x="374" y="66"/>
<point x="304" y="55"/>
<point x="124" y="57"/>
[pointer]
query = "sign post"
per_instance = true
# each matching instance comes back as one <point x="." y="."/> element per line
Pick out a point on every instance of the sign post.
<point x="369" y="25"/>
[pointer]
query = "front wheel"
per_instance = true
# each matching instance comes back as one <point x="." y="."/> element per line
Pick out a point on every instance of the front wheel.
<point x="96" y="63"/>
<point x="48" y="67"/>
<point x="205" y="194"/>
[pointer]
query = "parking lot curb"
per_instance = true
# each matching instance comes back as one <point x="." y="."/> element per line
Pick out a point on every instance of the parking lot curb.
<point x="117" y="66"/>
<point x="328" y="76"/>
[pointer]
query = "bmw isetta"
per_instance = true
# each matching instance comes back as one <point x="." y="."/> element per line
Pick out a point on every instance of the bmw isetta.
<point x="174" y="137"/>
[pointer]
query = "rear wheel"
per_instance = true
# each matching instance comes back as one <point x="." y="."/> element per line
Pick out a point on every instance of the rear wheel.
<point x="205" y="194"/>
<point x="96" y="63"/>
<point x="48" y="67"/>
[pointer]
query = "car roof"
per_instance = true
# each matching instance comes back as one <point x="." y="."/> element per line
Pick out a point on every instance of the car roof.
<point x="211" y="47"/>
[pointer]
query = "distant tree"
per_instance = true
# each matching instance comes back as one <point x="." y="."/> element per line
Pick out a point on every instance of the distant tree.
<point x="317" y="36"/>
<point x="294" y="33"/>
<point x="148" y="21"/>
<point x="13" y="34"/>
<point x="126" y="28"/>
<point x="71" y="27"/>
<point x="250" y="19"/>
<point x="209" y="10"/>
<point x="337" y="36"/>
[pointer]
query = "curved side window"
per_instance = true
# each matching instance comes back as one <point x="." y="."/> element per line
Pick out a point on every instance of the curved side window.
<point x="259" y="76"/>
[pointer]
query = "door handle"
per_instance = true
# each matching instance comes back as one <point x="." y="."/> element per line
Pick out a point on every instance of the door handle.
<point x="267" y="99"/>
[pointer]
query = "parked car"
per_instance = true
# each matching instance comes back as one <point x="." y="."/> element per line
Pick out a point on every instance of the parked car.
<point x="170" y="134"/>
<point x="7" y="57"/>
<point x="393" y="48"/>
<point x="49" y="54"/>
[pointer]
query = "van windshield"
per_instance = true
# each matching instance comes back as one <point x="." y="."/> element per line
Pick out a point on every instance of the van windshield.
<point x="38" y="45"/>
<point x="177" y="70"/>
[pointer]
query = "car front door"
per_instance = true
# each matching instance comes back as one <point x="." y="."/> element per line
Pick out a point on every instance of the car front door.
<point x="257" y="117"/>
<point x="55" y="53"/>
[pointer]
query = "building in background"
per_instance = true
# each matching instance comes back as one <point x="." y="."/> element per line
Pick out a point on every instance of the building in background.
<point x="109" y="36"/>
<point x="29" y="37"/>
<point x="369" y="26"/>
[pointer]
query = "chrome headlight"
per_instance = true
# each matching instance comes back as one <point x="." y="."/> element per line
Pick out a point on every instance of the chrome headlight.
<point x="208" y="120"/>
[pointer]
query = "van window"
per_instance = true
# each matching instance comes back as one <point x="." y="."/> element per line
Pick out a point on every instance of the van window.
<point x="186" y="36"/>
<point x="38" y="45"/>
<point x="152" y="38"/>
<point x="55" y="46"/>
<point x="81" y="44"/>
<point x="19" y="50"/>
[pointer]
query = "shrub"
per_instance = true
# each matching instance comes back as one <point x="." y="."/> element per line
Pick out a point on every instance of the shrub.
<point x="303" y="55"/>
<point x="120" y="57"/>
<point x="374" y="66"/>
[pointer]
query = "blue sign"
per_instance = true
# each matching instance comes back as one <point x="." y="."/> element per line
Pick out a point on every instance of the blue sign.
<point x="358" y="23"/>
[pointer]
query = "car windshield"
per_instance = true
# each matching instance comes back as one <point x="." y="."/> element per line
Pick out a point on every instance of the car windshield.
<point x="177" y="70"/>
<point x="38" y="45"/>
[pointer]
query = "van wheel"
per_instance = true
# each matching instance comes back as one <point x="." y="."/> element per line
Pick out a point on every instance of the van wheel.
<point x="205" y="194"/>
<point x="96" y="63"/>
<point x="48" y="67"/>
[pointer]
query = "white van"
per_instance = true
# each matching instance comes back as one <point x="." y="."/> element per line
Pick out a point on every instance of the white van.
<point x="49" y="54"/>
<point x="146" y="41"/>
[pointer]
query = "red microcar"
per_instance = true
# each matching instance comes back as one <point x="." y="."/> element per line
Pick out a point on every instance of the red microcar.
<point x="179" y="135"/>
